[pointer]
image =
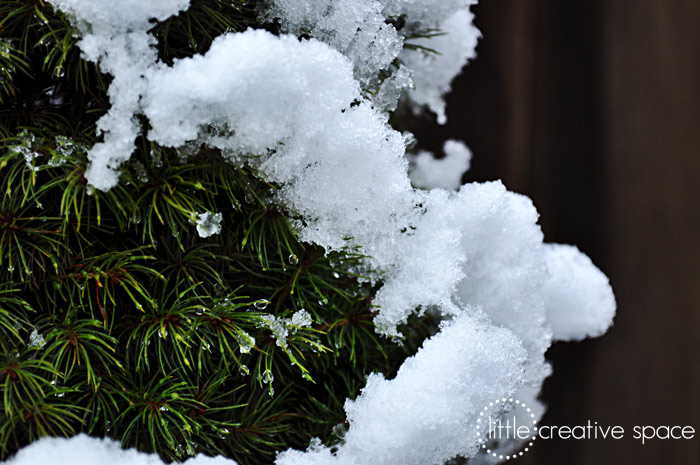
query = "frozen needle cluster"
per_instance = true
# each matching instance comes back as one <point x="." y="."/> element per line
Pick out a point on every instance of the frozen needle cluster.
<point x="311" y="114"/>
<point x="281" y="327"/>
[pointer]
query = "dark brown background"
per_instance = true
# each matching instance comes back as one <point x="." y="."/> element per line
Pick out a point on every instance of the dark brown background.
<point x="592" y="108"/>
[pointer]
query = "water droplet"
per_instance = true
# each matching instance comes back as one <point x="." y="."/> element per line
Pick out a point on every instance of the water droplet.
<point x="244" y="371"/>
<point x="245" y="342"/>
<point x="336" y="275"/>
<point x="261" y="304"/>
<point x="293" y="259"/>
<point x="267" y="376"/>
<point x="155" y="156"/>
<point x="141" y="173"/>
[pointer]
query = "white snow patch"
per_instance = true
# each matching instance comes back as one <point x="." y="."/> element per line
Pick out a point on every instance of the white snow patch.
<point x="122" y="15"/>
<point x="36" y="339"/>
<point x="425" y="415"/>
<point x="433" y="73"/>
<point x="445" y="173"/>
<point x="282" y="327"/>
<point x="85" y="450"/>
<point x="356" y="28"/>
<point x="208" y="224"/>
<point x="362" y="30"/>
<point x="579" y="300"/>
<point x="115" y="36"/>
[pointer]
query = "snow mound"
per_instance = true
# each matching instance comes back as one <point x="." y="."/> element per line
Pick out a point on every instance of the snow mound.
<point x="580" y="302"/>
<point x="425" y="415"/>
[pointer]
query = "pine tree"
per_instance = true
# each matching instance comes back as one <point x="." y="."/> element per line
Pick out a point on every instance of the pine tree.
<point x="214" y="239"/>
<point x="117" y="318"/>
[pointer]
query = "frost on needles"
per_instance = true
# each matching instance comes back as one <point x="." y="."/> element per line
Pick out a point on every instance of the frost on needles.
<point x="312" y="115"/>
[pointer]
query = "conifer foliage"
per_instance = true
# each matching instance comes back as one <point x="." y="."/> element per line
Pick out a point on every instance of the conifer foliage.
<point x="117" y="318"/>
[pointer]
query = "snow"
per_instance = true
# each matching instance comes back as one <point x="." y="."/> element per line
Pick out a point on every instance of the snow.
<point x="504" y="269"/>
<point x="356" y="28"/>
<point x="434" y="73"/>
<point x="446" y="173"/>
<point x="28" y="148"/>
<point x="208" y="224"/>
<point x="330" y="156"/>
<point x="123" y="15"/>
<point x="579" y="300"/>
<point x="301" y="319"/>
<point x="36" y="339"/>
<point x="115" y="36"/>
<point x="425" y="415"/>
<point x="426" y="12"/>
<point x="282" y="327"/>
<point x="85" y="450"/>
<point x="360" y="30"/>
<point x="65" y="148"/>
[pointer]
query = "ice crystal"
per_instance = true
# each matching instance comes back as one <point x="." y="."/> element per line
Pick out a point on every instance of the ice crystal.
<point x="208" y="224"/>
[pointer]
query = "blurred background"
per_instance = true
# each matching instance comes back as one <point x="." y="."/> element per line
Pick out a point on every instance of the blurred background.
<point x="593" y="110"/>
